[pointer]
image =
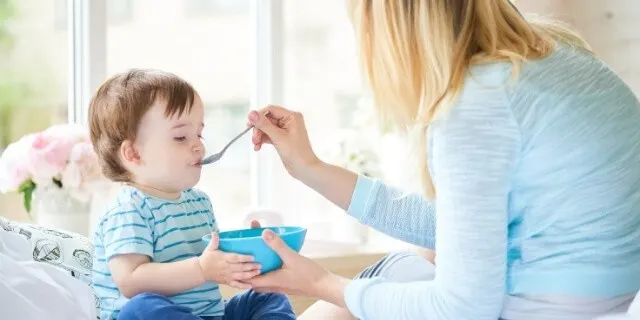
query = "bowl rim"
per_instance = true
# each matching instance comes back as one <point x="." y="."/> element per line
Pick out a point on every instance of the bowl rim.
<point x="294" y="230"/>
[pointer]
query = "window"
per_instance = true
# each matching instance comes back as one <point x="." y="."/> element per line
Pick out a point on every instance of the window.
<point x="321" y="79"/>
<point x="60" y="14"/>
<point x="214" y="60"/>
<point x="118" y="12"/>
<point x="238" y="54"/>
<point x="296" y="52"/>
<point x="33" y="81"/>
<point x="205" y="8"/>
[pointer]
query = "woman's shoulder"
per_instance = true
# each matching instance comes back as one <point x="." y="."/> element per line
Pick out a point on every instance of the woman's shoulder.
<point x="566" y="67"/>
<point x="568" y="80"/>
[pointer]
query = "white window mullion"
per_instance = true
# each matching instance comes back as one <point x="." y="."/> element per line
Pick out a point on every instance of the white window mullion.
<point x="267" y="87"/>
<point x="87" y="32"/>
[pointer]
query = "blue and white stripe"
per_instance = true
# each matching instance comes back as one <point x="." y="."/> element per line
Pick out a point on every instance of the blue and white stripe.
<point x="166" y="231"/>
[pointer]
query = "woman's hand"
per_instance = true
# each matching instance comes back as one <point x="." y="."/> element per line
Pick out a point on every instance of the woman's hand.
<point x="298" y="276"/>
<point x="286" y="131"/>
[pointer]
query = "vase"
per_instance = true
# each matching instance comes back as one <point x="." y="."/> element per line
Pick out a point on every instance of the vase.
<point x="55" y="208"/>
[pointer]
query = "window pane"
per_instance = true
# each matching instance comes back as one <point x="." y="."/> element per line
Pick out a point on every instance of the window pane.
<point x="211" y="50"/>
<point x="322" y="80"/>
<point x="196" y="8"/>
<point x="33" y="77"/>
<point x="118" y="12"/>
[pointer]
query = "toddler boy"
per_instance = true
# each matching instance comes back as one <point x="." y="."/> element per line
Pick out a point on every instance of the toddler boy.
<point x="150" y="261"/>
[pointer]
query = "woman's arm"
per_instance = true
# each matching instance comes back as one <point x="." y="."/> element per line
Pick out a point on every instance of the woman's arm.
<point x="405" y="216"/>
<point x="334" y="183"/>
<point x="474" y="156"/>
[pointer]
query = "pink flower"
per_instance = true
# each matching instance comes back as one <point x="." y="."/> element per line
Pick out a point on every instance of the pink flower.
<point x="14" y="169"/>
<point x="47" y="158"/>
<point x="61" y="152"/>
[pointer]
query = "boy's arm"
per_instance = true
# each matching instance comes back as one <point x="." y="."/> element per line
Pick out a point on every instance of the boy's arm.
<point x="135" y="274"/>
<point x="128" y="243"/>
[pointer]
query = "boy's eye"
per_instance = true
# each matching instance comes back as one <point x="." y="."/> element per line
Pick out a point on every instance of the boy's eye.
<point x="180" y="139"/>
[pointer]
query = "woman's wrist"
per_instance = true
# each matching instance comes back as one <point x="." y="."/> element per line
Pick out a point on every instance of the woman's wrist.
<point x="331" y="288"/>
<point x="306" y="173"/>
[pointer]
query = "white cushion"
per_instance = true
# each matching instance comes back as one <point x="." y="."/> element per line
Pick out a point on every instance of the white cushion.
<point x="65" y="250"/>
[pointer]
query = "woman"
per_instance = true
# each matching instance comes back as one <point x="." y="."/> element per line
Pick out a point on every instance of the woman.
<point x="531" y="163"/>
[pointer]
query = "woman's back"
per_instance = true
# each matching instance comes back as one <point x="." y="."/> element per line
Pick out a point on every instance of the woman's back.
<point x="574" y="205"/>
<point x="547" y="166"/>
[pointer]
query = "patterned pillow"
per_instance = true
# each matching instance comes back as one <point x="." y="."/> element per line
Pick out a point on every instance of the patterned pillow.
<point x="66" y="250"/>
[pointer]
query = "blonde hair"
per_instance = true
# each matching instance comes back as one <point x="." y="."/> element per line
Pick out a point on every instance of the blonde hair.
<point x="416" y="53"/>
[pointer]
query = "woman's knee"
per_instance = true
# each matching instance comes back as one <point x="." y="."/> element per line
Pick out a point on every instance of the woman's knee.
<point x="401" y="267"/>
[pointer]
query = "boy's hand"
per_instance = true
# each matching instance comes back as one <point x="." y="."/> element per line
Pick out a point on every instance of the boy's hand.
<point x="227" y="268"/>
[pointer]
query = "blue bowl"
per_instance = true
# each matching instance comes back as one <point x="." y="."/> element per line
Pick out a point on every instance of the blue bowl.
<point x="249" y="242"/>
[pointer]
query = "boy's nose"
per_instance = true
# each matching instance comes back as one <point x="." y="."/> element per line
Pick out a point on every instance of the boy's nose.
<point x="198" y="147"/>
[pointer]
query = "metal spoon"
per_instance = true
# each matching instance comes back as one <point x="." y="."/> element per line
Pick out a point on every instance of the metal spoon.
<point x="215" y="157"/>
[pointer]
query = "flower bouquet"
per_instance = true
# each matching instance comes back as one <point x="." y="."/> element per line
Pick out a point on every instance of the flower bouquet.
<point x="58" y="164"/>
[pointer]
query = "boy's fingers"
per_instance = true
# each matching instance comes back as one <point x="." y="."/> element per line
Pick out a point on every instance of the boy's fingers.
<point x="241" y="267"/>
<point x="244" y="275"/>
<point x="237" y="258"/>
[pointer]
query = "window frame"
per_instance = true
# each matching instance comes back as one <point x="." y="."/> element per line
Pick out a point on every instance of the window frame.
<point x="87" y="34"/>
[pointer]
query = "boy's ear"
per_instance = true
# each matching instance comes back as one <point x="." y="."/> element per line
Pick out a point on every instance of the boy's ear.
<point x="129" y="152"/>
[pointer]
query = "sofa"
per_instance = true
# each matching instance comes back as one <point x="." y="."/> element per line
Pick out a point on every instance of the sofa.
<point x="73" y="253"/>
<point x="68" y="251"/>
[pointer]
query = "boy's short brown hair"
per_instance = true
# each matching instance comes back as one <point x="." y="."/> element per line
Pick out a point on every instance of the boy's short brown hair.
<point x="120" y="103"/>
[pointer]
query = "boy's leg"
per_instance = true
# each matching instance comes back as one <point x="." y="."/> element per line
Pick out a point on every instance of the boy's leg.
<point x="154" y="306"/>
<point x="251" y="305"/>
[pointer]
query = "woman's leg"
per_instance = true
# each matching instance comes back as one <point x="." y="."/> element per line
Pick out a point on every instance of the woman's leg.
<point x="396" y="267"/>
